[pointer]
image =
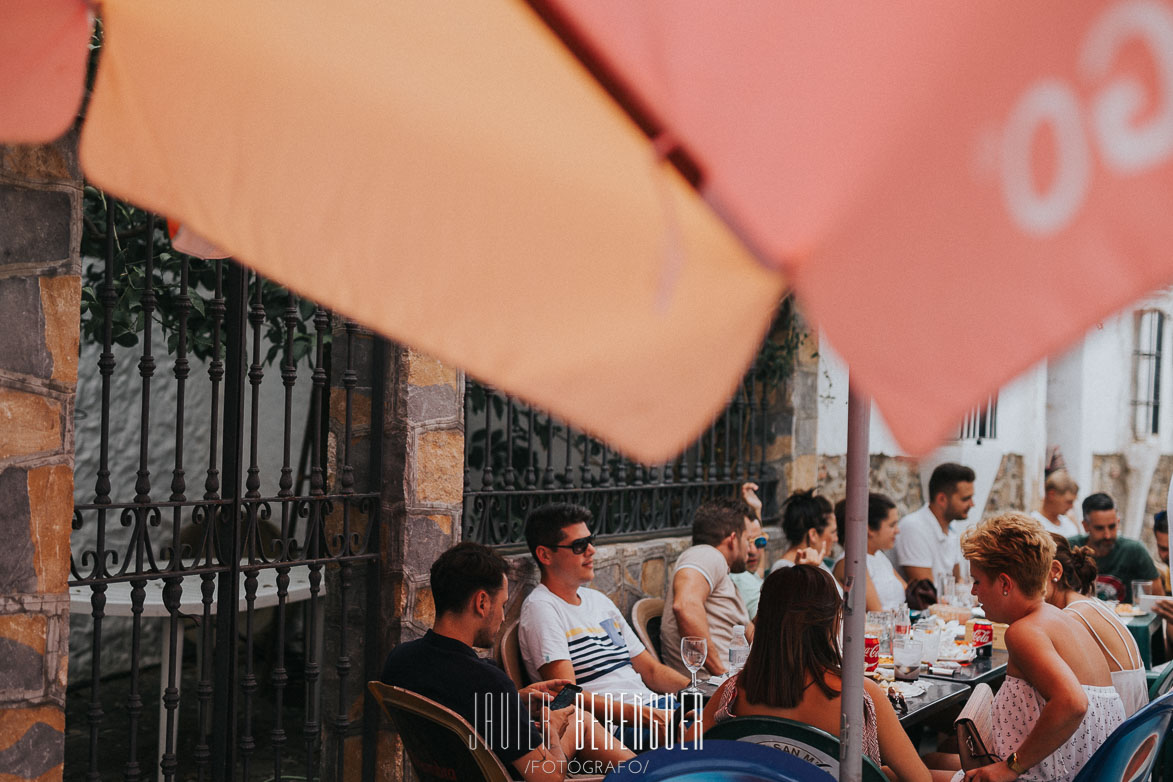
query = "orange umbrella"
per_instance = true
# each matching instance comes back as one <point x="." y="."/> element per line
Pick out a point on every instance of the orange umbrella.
<point x="955" y="188"/>
<point x="448" y="174"/>
<point x="43" y="53"/>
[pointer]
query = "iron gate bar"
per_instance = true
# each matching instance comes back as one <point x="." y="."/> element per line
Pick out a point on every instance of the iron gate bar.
<point x="372" y="639"/>
<point x="228" y="542"/>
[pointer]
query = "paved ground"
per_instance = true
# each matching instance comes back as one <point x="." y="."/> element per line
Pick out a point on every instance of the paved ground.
<point x="114" y="731"/>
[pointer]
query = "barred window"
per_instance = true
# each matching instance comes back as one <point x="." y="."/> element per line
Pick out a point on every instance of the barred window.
<point x="981" y="423"/>
<point x="518" y="457"/>
<point x="1146" y="397"/>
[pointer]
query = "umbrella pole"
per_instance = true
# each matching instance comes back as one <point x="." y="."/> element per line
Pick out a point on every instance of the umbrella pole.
<point x="855" y="576"/>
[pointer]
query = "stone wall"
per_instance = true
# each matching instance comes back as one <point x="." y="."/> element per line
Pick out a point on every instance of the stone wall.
<point x="1157" y="497"/>
<point x="40" y="295"/>
<point x="1009" y="489"/>
<point x="1110" y="474"/>
<point x="897" y="477"/>
<point x="420" y="422"/>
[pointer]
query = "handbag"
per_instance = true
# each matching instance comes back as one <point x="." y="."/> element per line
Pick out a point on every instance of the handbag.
<point x="974" y="728"/>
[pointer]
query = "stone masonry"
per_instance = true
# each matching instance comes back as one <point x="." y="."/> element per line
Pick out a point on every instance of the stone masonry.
<point x="422" y="487"/>
<point x="40" y="295"/>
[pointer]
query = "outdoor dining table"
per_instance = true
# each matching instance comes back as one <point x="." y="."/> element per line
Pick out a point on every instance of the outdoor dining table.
<point x="1143" y="628"/>
<point x="939" y="697"/>
<point x="983" y="670"/>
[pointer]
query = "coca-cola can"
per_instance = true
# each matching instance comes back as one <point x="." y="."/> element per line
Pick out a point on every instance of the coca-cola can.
<point x="983" y="638"/>
<point x="871" y="652"/>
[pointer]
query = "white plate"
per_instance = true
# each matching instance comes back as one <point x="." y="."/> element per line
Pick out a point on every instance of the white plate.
<point x="1148" y="601"/>
<point x="908" y="689"/>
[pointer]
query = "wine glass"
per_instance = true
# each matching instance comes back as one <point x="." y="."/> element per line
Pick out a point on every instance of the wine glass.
<point x="693" y="650"/>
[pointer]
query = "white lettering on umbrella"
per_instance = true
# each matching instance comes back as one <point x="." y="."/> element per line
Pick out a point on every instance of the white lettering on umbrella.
<point x="1124" y="148"/>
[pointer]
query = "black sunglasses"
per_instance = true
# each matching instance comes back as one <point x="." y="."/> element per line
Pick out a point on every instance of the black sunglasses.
<point x="577" y="546"/>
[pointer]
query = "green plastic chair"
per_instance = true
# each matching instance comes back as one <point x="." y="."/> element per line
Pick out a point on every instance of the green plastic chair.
<point x="1163" y="684"/>
<point x="803" y="741"/>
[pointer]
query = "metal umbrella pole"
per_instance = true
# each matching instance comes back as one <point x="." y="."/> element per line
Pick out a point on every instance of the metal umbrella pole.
<point x="855" y="573"/>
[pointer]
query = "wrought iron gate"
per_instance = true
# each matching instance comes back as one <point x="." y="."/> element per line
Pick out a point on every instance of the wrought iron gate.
<point x="253" y="577"/>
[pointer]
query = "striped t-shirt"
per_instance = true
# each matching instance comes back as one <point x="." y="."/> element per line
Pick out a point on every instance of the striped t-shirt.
<point x="593" y="635"/>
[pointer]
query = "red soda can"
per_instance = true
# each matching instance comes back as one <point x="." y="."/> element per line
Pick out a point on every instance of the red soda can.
<point x="983" y="637"/>
<point x="871" y="652"/>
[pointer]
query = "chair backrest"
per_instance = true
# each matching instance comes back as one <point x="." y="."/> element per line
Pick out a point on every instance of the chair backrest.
<point x="507" y="653"/>
<point x="813" y="745"/>
<point x="718" y="761"/>
<point x="1129" y="753"/>
<point x="645" y="621"/>
<point x="1163" y="683"/>
<point x="441" y="745"/>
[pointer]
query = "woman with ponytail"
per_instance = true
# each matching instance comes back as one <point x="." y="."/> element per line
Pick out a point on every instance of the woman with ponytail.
<point x="795" y="671"/>
<point x="1070" y="586"/>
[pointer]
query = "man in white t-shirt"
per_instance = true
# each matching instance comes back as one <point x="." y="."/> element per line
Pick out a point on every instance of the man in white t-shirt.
<point x="569" y="631"/>
<point x="925" y="544"/>
<point x="1060" y="491"/>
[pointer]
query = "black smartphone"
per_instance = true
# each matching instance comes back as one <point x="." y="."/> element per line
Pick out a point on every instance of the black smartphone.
<point x="565" y="697"/>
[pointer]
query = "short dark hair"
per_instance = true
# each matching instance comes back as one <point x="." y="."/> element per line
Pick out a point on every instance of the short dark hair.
<point x="461" y="572"/>
<point x="544" y="524"/>
<point x="804" y="510"/>
<point x="796" y="642"/>
<point x="1096" y="502"/>
<point x="717" y="519"/>
<point x="946" y="477"/>
<point x="1161" y="522"/>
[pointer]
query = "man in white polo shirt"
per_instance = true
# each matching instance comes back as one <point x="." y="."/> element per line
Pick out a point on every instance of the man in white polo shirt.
<point x="569" y="631"/>
<point x="925" y="544"/>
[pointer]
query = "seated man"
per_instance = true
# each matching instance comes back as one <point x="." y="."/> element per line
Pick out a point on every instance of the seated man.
<point x="1120" y="560"/>
<point x="569" y="631"/>
<point x="749" y="582"/>
<point x="469" y="589"/>
<point x="702" y="600"/>
<point x="927" y="543"/>
<point x="1059" y="497"/>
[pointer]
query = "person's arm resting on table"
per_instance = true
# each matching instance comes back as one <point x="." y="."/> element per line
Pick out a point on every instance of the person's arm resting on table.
<point x="656" y="675"/>
<point x="690" y="589"/>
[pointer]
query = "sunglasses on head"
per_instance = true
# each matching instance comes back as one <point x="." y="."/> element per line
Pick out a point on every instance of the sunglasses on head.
<point x="761" y="541"/>
<point x="577" y="546"/>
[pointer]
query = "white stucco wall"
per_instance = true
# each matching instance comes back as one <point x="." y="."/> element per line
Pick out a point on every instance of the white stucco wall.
<point x="125" y="429"/>
<point x="1090" y="411"/>
<point x="1021" y="428"/>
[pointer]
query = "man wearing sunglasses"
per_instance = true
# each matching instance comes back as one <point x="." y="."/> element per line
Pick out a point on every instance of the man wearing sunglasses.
<point x="569" y="631"/>
<point x="749" y="583"/>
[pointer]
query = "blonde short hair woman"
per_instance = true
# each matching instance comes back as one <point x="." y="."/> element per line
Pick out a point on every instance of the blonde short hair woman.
<point x="1057" y="705"/>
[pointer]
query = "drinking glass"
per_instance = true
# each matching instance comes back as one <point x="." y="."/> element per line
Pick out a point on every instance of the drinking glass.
<point x="963" y="591"/>
<point x="945" y="589"/>
<point x="906" y="654"/>
<point x="1139" y="590"/>
<point x="879" y="624"/>
<point x="929" y="636"/>
<point x="693" y="650"/>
